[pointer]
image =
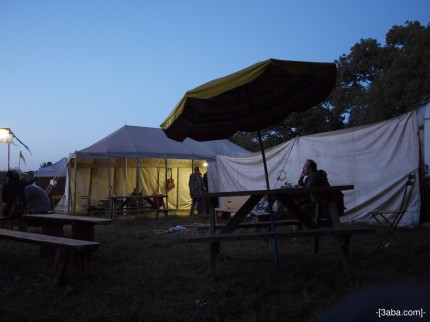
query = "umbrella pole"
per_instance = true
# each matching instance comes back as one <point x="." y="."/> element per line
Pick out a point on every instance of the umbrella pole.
<point x="272" y="219"/>
<point x="266" y="175"/>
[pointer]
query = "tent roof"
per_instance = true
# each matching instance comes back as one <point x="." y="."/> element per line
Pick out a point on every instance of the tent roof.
<point x="145" y="142"/>
<point x="58" y="168"/>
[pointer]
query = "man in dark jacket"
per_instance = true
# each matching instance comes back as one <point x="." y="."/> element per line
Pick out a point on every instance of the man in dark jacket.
<point x="312" y="177"/>
<point x="12" y="188"/>
<point x="196" y="185"/>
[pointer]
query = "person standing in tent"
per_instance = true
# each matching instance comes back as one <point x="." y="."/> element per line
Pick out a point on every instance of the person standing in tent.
<point x="196" y="185"/>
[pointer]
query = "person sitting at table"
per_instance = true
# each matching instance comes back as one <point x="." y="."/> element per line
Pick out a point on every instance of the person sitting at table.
<point x="311" y="177"/>
<point x="37" y="200"/>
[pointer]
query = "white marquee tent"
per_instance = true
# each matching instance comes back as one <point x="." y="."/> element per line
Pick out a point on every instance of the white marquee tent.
<point x="375" y="158"/>
<point x="139" y="158"/>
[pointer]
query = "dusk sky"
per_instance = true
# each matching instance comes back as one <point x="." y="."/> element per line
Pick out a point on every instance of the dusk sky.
<point x="72" y="72"/>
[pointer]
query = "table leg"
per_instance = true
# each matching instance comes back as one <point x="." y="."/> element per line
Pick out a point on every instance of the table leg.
<point x="334" y="214"/>
<point x="51" y="229"/>
<point x="215" y="247"/>
<point x="83" y="231"/>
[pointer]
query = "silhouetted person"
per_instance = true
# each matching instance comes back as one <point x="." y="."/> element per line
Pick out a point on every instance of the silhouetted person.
<point x="37" y="200"/>
<point x="13" y="188"/>
<point x="311" y="177"/>
<point x="196" y="185"/>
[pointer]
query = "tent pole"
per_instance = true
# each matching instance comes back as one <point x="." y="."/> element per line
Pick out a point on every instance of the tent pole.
<point x="90" y="188"/>
<point x="75" y="165"/>
<point x="69" y="188"/>
<point x="8" y="156"/>
<point x="109" y="177"/>
<point x="137" y="176"/>
<point x="266" y="175"/>
<point x="165" y="185"/>
<point x="125" y="177"/>
<point x="177" y="189"/>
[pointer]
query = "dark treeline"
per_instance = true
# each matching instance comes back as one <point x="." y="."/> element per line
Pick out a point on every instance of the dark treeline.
<point x="374" y="83"/>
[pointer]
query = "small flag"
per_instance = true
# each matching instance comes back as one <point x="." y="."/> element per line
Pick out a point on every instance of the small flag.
<point x="21" y="157"/>
<point x="10" y="131"/>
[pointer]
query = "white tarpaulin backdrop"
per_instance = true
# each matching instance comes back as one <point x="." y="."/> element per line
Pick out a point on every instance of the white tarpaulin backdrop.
<point x="375" y="158"/>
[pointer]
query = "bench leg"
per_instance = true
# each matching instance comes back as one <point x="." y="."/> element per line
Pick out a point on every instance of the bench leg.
<point x="86" y="265"/>
<point x="51" y="230"/>
<point x="343" y="241"/>
<point x="63" y="257"/>
<point x="61" y="260"/>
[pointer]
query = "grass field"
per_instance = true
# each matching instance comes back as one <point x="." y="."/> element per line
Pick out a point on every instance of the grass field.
<point x="144" y="273"/>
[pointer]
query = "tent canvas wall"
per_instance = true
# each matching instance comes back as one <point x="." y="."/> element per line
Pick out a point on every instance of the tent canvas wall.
<point x="375" y="158"/>
<point x="139" y="158"/>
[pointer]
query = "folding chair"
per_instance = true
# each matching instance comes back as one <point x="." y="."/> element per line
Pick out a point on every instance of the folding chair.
<point x="383" y="216"/>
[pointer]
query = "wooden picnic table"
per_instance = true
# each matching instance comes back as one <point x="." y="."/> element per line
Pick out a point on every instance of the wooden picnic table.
<point x="53" y="225"/>
<point x="137" y="204"/>
<point x="287" y="198"/>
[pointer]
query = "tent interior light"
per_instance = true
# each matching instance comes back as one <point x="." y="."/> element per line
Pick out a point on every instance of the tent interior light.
<point x="205" y="164"/>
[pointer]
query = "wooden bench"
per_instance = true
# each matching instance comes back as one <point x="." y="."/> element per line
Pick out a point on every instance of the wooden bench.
<point x="257" y="225"/>
<point x="116" y="213"/>
<point x="343" y="235"/>
<point x="217" y="237"/>
<point x="63" y="245"/>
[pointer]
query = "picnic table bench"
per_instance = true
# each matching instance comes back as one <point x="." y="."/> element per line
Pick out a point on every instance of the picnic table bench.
<point x="345" y="232"/>
<point x="254" y="224"/>
<point x="311" y="227"/>
<point x="64" y="246"/>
